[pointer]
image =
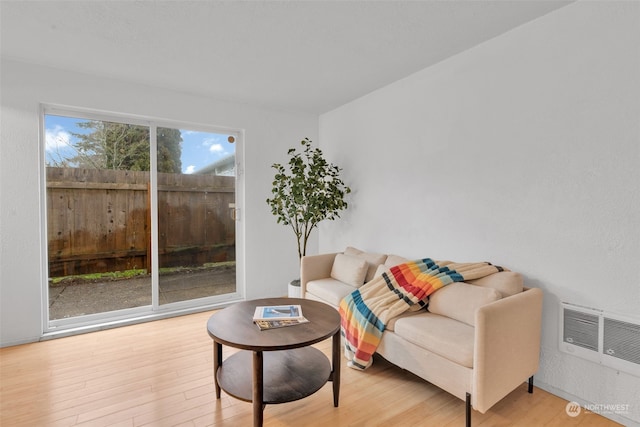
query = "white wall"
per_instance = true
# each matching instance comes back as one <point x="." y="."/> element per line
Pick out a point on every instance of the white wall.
<point x="524" y="151"/>
<point x="271" y="257"/>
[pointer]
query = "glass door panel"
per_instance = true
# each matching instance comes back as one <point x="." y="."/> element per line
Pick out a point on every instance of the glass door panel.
<point x="196" y="215"/>
<point x="97" y="192"/>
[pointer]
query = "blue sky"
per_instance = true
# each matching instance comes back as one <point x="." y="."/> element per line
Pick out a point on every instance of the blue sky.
<point x="199" y="149"/>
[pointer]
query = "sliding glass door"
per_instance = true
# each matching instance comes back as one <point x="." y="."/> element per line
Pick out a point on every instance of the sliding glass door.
<point x="140" y="218"/>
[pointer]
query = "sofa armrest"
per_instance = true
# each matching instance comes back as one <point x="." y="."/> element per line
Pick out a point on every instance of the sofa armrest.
<point x="507" y="346"/>
<point x="314" y="267"/>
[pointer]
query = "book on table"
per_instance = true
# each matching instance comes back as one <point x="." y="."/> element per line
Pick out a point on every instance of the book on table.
<point x="278" y="316"/>
<point x="273" y="324"/>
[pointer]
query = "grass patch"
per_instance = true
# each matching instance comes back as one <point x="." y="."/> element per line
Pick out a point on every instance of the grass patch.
<point x="112" y="275"/>
<point x="128" y="274"/>
<point x="205" y="266"/>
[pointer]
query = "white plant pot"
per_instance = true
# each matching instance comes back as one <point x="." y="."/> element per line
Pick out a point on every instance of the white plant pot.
<point x="294" y="288"/>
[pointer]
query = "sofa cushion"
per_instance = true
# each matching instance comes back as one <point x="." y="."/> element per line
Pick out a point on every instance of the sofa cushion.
<point x="438" y="334"/>
<point x="350" y="250"/>
<point x="394" y="260"/>
<point x="349" y="269"/>
<point x="379" y="270"/>
<point x="391" y="324"/>
<point x="460" y="300"/>
<point x="373" y="260"/>
<point x="330" y="290"/>
<point x="506" y="282"/>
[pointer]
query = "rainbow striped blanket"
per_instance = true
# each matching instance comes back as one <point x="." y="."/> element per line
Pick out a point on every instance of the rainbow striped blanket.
<point x="366" y="311"/>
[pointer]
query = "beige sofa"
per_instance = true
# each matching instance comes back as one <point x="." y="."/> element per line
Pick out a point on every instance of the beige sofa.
<point x="478" y="340"/>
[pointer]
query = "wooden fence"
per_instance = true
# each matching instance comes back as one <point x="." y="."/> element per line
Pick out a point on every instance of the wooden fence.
<point x="99" y="220"/>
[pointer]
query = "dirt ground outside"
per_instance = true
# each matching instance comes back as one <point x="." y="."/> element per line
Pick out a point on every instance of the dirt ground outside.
<point x="90" y="297"/>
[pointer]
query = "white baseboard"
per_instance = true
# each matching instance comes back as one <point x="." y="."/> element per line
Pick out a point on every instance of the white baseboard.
<point x="591" y="406"/>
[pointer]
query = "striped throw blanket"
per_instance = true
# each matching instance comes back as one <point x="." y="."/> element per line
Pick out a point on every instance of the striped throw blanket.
<point x="366" y="311"/>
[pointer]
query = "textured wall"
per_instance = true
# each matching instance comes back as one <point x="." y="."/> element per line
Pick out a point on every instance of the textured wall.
<point x="524" y="151"/>
<point x="269" y="250"/>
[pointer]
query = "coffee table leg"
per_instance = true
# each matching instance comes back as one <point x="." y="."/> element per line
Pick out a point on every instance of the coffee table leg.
<point x="335" y="374"/>
<point x="217" y="362"/>
<point x="258" y="385"/>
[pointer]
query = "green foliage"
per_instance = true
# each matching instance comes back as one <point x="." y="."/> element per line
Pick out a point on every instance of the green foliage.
<point x="122" y="146"/>
<point x="308" y="192"/>
<point x="169" y="150"/>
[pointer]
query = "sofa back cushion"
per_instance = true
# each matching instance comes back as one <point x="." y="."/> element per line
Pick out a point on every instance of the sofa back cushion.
<point x="395" y="260"/>
<point x="381" y="269"/>
<point x="373" y="260"/>
<point x="506" y="282"/>
<point x="349" y="269"/>
<point x="460" y="300"/>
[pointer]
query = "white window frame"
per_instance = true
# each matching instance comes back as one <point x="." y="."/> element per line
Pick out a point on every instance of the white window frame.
<point x="86" y="323"/>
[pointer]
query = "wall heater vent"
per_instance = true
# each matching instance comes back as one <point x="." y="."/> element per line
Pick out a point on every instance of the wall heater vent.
<point x="581" y="329"/>
<point x="621" y="346"/>
<point x="606" y="338"/>
<point x="581" y="332"/>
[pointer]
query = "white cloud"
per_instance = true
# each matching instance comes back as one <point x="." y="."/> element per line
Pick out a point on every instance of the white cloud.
<point x="216" y="148"/>
<point x="57" y="138"/>
<point x="212" y="140"/>
<point x="190" y="169"/>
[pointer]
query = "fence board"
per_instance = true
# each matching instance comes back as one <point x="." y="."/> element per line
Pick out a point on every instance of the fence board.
<point x="98" y="220"/>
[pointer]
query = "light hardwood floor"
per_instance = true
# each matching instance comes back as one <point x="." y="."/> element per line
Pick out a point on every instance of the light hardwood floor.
<point x="160" y="374"/>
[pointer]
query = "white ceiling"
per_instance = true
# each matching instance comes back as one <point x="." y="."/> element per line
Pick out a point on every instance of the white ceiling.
<point x="307" y="56"/>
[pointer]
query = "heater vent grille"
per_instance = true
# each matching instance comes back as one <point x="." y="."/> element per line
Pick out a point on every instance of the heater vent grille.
<point x="622" y="340"/>
<point x="581" y="329"/>
<point x="602" y="337"/>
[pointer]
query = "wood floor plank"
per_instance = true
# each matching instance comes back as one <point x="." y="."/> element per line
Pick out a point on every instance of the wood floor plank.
<point x="161" y="374"/>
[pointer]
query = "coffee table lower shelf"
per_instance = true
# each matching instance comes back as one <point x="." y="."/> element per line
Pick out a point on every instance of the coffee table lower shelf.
<point x="288" y="375"/>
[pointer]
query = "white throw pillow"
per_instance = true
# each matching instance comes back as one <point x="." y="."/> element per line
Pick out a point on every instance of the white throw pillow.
<point x="349" y="269"/>
<point x="373" y="259"/>
<point x="460" y="301"/>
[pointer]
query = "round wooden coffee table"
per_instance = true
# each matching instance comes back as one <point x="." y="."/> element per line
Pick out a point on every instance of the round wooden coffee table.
<point x="285" y="367"/>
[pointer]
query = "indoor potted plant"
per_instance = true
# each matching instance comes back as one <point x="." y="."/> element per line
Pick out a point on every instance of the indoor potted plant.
<point x="306" y="192"/>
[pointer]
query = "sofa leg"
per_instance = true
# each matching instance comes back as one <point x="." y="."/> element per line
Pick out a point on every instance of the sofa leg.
<point x="468" y="410"/>
<point x="531" y="384"/>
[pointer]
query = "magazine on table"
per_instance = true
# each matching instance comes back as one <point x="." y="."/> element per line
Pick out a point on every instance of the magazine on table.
<point x="273" y="324"/>
<point x="278" y="316"/>
<point x="278" y="312"/>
